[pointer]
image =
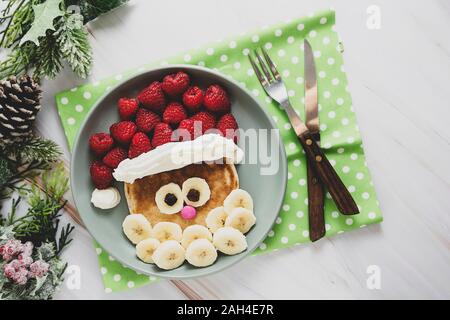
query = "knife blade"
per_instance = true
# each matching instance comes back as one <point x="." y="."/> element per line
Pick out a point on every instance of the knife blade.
<point x="315" y="188"/>
<point x="311" y="103"/>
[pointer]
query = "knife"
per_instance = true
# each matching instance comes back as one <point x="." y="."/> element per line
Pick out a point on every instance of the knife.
<point x="315" y="188"/>
<point x="321" y="167"/>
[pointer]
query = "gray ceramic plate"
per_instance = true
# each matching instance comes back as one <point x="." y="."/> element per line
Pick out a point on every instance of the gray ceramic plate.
<point x="106" y="226"/>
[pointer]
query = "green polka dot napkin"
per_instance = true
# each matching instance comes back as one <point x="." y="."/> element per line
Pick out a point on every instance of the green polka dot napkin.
<point x="340" y="135"/>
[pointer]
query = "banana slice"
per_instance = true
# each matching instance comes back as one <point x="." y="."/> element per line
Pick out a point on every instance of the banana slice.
<point x="241" y="219"/>
<point x="136" y="227"/>
<point x="146" y="248"/>
<point x="164" y="231"/>
<point x="201" y="253"/>
<point x="195" y="232"/>
<point x="238" y="198"/>
<point x="229" y="241"/>
<point x="216" y="219"/>
<point x="196" y="191"/>
<point x="169" y="198"/>
<point x="169" y="255"/>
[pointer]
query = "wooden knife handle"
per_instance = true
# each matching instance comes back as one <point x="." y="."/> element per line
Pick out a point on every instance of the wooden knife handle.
<point x="315" y="206"/>
<point x="327" y="175"/>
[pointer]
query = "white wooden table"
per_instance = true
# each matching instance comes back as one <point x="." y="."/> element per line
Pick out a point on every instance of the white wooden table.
<point x="399" y="77"/>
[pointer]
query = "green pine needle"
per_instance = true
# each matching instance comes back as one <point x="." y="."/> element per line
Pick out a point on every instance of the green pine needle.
<point x="19" y="23"/>
<point x="26" y="160"/>
<point x="48" y="58"/>
<point x="74" y="44"/>
<point x="5" y="171"/>
<point x="37" y="149"/>
<point x="18" y="61"/>
<point x="41" y="223"/>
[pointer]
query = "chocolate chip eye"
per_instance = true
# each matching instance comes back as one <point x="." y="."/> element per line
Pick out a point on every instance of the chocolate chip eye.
<point x="196" y="191"/>
<point x="193" y="195"/>
<point x="170" y="199"/>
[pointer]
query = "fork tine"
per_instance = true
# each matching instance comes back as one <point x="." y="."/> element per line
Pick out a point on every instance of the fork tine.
<point x="271" y="65"/>
<point x="258" y="73"/>
<point x="263" y="67"/>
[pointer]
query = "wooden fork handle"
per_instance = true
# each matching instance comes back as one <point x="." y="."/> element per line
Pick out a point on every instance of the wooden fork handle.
<point x="315" y="205"/>
<point x="327" y="175"/>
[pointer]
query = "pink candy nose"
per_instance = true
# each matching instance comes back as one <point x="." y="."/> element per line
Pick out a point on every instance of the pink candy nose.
<point x="188" y="212"/>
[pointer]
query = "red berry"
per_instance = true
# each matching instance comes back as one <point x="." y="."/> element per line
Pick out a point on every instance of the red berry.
<point x="162" y="135"/>
<point x="227" y="125"/>
<point x="174" y="113"/>
<point x="123" y="131"/>
<point x="193" y="98"/>
<point x="175" y="84"/>
<point x="139" y="145"/>
<point x="186" y="125"/>
<point x="127" y="108"/>
<point x="114" y="157"/>
<point x="152" y="97"/>
<point x="216" y="99"/>
<point x="207" y="119"/>
<point x="146" y="120"/>
<point x="101" y="143"/>
<point x="101" y="175"/>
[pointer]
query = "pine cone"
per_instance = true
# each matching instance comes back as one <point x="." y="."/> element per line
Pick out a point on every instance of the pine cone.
<point x="19" y="104"/>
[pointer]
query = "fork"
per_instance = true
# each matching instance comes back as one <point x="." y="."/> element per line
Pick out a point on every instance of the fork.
<point x="273" y="85"/>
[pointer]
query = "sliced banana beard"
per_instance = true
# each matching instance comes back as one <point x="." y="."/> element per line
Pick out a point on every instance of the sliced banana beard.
<point x="146" y="248"/>
<point x="216" y="219"/>
<point x="241" y="219"/>
<point x="238" y="198"/>
<point x="169" y="255"/>
<point x="164" y="231"/>
<point x="229" y="241"/>
<point x="136" y="227"/>
<point x="195" y="232"/>
<point x="169" y="198"/>
<point x="201" y="253"/>
<point x="196" y="191"/>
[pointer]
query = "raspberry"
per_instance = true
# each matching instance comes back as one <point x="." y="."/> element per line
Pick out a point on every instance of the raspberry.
<point x="174" y="113"/>
<point x="207" y="119"/>
<point x="175" y="84"/>
<point x="139" y="144"/>
<point x="123" y="131"/>
<point x="114" y="157"/>
<point x="146" y="120"/>
<point x="100" y="143"/>
<point x="152" y="97"/>
<point x="186" y="125"/>
<point x="101" y="175"/>
<point x="227" y="125"/>
<point x="193" y="98"/>
<point x="127" y="108"/>
<point x="162" y="135"/>
<point x="216" y="99"/>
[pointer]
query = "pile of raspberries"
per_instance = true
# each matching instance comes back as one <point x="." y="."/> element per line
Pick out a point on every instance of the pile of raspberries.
<point x="149" y="120"/>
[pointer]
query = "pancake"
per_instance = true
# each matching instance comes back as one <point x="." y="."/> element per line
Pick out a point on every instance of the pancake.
<point x="221" y="178"/>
